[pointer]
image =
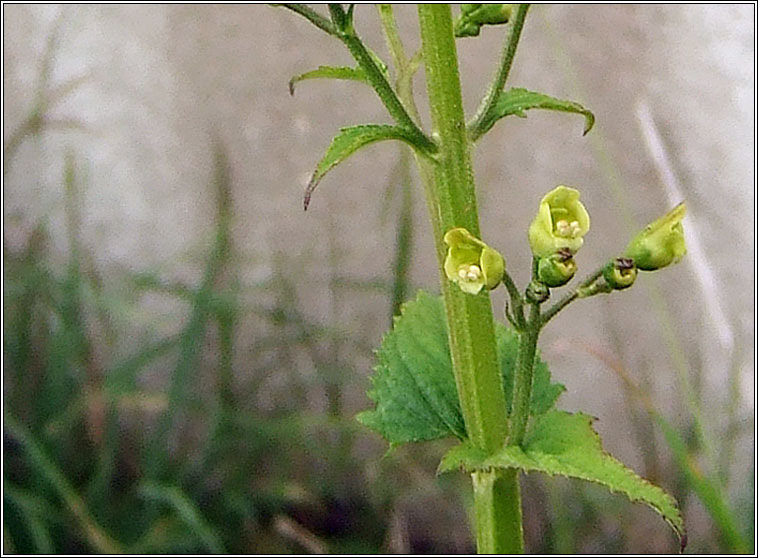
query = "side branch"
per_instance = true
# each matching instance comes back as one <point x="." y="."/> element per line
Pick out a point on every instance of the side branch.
<point x="476" y="125"/>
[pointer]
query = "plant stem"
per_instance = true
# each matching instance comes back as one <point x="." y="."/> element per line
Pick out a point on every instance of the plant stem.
<point x="571" y="297"/>
<point x="451" y="195"/>
<point x="404" y="67"/>
<point x="313" y="16"/>
<point x="469" y="317"/>
<point x="477" y="126"/>
<point x="374" y="75"/>
<point x="498" y="512"/>
<point x="522" y="388"/>
<point x="516" y="300"/>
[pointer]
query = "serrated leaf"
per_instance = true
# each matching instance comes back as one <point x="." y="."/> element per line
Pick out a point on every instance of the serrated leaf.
<point x="517" y="100"/>
<point x="413" y="385"/>
<point x="561" y="443"/>
<point x="350" y="140"/>
<point x="330" y="72"/>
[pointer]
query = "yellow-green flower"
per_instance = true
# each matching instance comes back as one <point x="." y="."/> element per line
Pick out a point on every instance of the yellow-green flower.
<point x="660" y="243"/>
<point x="471" y="263"/>
<point x="557" y="269"/>
<point x="561" y="222"/>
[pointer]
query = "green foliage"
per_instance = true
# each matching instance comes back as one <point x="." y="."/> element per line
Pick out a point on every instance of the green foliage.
<point x="517" y="100"/>
<point x="414" y="387"/>
<point x="330" y="72"/>
<point x="561" y="443"/>
<point x="341" y="72"/>
<point x="350" y="140"/>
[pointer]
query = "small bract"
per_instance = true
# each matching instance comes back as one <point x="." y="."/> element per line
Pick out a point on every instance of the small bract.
<point x="471" y="263"/>
<point x="661" y="243"/>
<point x="561" y="223"/>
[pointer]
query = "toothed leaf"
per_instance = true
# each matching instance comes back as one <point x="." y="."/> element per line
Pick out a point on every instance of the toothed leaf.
<point x="413" y="385"/>
<point x="561" y="443"/>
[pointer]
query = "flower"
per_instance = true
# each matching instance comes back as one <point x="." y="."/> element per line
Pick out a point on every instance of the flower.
<point x="620" y="273"/>
<point x="561" y="222"/>
<point x="557" y="269"/>
<point x="660" y="243"/>
<point x="471" y="263"/>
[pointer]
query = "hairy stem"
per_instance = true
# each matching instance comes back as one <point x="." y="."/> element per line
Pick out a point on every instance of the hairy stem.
<point x="452" y="199"/>
<point x="516" y="300"/>
<point x="522" y="388"/>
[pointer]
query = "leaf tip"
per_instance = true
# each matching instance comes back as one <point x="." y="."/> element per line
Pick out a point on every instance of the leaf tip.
<point x="291" y="87"/>
<point x="682" y="541"/>
<point x="312" y="183"/>
<point x="589" y="122"/>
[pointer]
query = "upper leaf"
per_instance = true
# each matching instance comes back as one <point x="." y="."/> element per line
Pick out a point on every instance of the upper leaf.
<point x="341" y="72"/>
<point x="515" y="101"/>
<point x="330" y="72"/>
<point x="348" y="141"/>
<point x="413" y="385"/>
<point x="561" y="443"/>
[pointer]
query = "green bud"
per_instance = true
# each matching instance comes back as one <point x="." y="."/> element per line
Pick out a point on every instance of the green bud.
<point x="473" y="16"/>
<point x="660" y="243"/>
<point x="557" y="269"/>
<point x="561" y="222"/>
<point x="471" y="263"/>
<point x="620" y="273"/>
<point x="537" y="292"/>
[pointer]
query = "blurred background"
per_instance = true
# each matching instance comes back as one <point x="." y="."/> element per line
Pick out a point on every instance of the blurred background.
<point x="185" y="349"/>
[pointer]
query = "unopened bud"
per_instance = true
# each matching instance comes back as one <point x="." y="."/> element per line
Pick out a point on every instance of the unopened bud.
<point x="558" y="269"/>
<point x="620" y="273"/>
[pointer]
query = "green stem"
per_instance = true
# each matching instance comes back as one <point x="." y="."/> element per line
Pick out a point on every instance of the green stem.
<point x="478" y="124"/>
<point x="451" y="195"/>
<point x="405" y="67"/>
<point x="522" y="388"/>
<point x="343" y="29"/>
<point x="516" y="300"/>
<point x="313" y="16"/>
<point x="498" y="512"/>
<point x="572" y="296"/>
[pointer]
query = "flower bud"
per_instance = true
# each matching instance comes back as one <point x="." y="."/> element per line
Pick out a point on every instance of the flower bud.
<point x="557" y="269"/>
<point x="620" y="273"/>
<point x="471" y="263"/>
<point x="561" y="222"/>
<point x="537" y="292"/>
<point x="660" y="243"/>
<point x="473" y="16"/>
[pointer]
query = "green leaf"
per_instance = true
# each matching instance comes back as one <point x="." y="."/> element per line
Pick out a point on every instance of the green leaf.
<point x="341" y="72"/>
<point x="413" y="385"/>
<point x="517" y="100"/>
<point x="330" y="72"/>
<point x="561" y="443"/>
<point x="350" y="140"/>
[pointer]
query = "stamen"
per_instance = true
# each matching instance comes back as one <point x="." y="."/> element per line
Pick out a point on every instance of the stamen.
<point x="563" y="228"/>
<point x="462" y="273"/>
<point x="474" y="273"/>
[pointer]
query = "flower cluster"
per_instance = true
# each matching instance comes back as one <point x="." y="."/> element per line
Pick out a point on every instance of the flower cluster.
<point x="555" y="235"/>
